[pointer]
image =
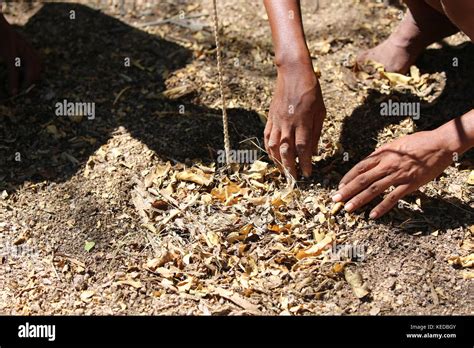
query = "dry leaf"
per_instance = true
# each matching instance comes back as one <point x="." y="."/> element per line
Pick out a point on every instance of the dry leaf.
<point x="356" y="282"/>
<point x="20" y="240"/>
<point x="322" y="47"/>
<point x="185" y="285"/>
<point x="164" y="272"/>
<point x="53" y="130"/>
<point x="397" y="79"/>
<point x="159" y="171"/>
<point x="257" y="170"/>
<point x="468" y="244"/>
<point x="277" y="202"/>
<point x="257" y="200"/>
<point x="133" y="283"/>
<point x="238" y="300"/>
<point x="284" y="197"/>
<point x="160" y="204"/>
<point x="467" y="274"/>
<point x="167" y="257"/>
<point x="212" y="239"/>
<point x="339" y="267"/>
<point x="415" y="74"/>
<point x="240" y="235"/>
<point x="316" y="249"/>
<point x="228" y="193"/>
<point x="179" y="91"/>
<point x="470" y="179"/>
<point x="335" y="209"/>
<point x="206" y="198"/>
<point x="463" y="261"/>
<point x="195" y="175"/>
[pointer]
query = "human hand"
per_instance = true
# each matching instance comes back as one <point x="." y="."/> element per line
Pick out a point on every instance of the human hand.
<point x="406" y="163"/>
<point x="295" y="119"/>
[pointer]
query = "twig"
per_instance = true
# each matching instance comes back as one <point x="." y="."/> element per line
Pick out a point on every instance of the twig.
<point x="169" y="20"/>
<point x="54" y="268"/>
<point x="28" y="90"/>
<point x="120" y="94"/>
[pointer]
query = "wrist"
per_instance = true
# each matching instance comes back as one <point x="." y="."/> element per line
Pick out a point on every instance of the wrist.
<point x="297" y="76"/>
<point x="457" y="135"/>
<point x="293" y="58"/>
<point x="298" y="70"/>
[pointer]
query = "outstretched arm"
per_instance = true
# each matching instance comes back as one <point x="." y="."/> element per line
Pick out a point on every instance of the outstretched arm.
<point x="297" y="110"/>
<point x="406" y="163"/>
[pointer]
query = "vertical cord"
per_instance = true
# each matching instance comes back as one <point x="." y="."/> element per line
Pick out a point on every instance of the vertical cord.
<point x="225" y="120"/>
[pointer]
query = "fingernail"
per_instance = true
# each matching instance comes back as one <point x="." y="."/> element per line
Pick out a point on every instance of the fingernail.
<point x="337" y="197"/>
<point x="373" y="215"/>
<point x="349" y="206"/>
<point x="341" y="185"/>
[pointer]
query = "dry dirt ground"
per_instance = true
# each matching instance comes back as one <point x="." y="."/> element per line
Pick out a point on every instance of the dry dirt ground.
<point x="127" y="214"/>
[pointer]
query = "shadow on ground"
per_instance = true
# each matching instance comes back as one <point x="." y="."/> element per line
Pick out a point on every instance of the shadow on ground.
<point x="84" y="61"/>
<point x="361" y="128"/>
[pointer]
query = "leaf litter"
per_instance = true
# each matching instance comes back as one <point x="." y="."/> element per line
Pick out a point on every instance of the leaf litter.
<point x="220" y="234"/>
<point x="242" y="232"/>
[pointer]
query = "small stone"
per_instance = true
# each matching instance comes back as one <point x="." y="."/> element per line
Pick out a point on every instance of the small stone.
<point x="79" y="283"/>
<point x="374" y="311"/>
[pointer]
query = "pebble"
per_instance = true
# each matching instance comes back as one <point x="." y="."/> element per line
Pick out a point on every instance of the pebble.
<point x="79" y="283"/>
<point x="374" y="311"/>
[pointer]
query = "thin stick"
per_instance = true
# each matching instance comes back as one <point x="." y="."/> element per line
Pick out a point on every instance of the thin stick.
<point x="168" y="20"/>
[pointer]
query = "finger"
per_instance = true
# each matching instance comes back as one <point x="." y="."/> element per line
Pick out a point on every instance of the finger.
<point x="317" y="127"/>
<point x="303" y="144"/>
<point x="390" y="200"/>
<point x="360" y="168"/>
<point x="358" y="184"/>
<point x="266" y="134"/>
<point x="364" y="197"/>
<point x="288" y="151"/>
<point x="274" y="147"/>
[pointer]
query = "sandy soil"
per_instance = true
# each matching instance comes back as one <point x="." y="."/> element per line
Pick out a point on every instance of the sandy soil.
<point x="78" y="178"/>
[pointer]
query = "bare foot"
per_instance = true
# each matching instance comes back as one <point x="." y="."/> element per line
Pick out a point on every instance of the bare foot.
<point x="409" y="40"/>
<point x="395" y="57"/>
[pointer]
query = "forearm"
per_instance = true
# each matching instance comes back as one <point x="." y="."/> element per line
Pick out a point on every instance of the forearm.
<point x="458" y="134"/>
<point x="287" y="32"/>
